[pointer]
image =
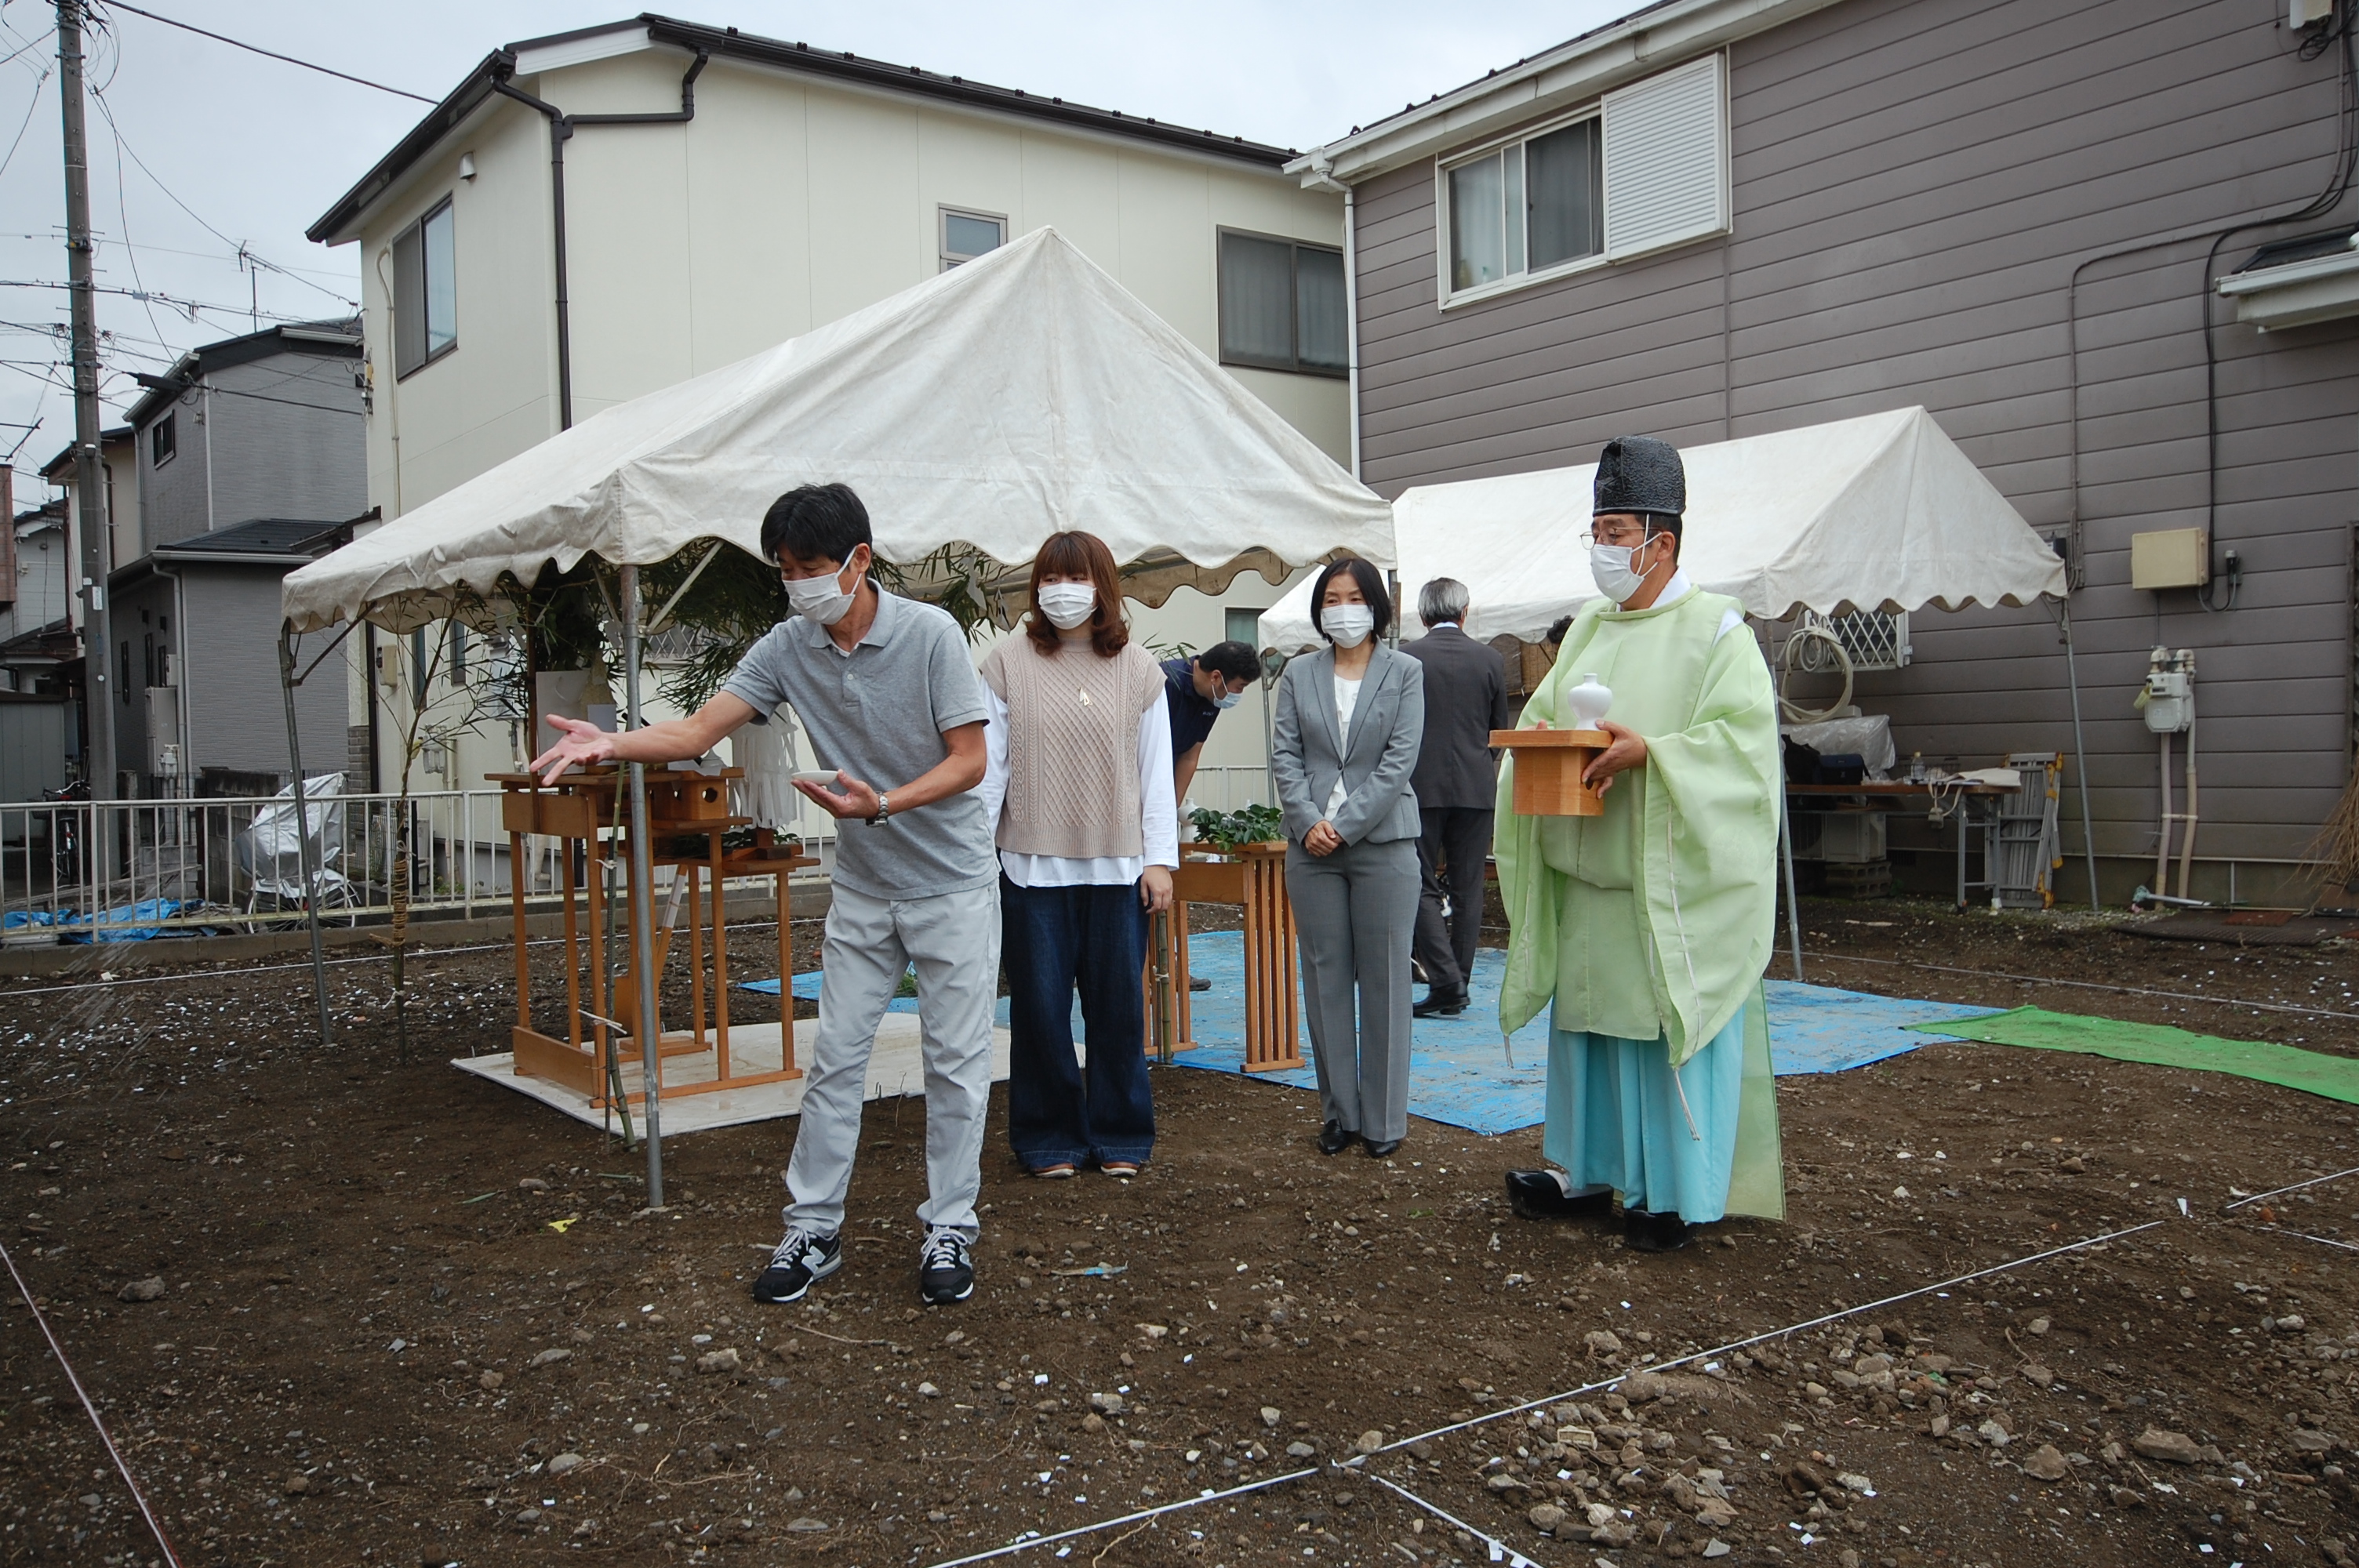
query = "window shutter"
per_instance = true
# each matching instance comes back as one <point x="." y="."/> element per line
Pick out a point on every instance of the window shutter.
<point x="1667" y="159"/>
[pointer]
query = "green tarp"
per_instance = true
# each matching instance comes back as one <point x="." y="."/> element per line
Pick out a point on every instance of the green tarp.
<point x="2335" y="1078"/>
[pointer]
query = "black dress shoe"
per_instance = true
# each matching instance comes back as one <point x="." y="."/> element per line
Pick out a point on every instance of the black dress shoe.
<point x="1380" y="1147"/>
<point x="1538" y="1194"/>
<point x="1441" y="1006"/>
<point x="1646" y="1232"/>
<point x="1333" y="1140"/>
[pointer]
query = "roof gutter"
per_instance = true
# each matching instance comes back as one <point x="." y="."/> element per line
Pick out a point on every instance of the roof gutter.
<point x="562" y="127"/>
<point x="1650" y="40"/>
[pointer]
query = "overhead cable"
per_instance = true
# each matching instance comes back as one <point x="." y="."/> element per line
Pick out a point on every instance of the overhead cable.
<point x="268" y="54"/>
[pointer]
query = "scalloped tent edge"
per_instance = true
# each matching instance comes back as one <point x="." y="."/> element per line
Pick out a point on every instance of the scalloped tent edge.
<point x="1882" y="511"/>
<point x="980" y="410"/>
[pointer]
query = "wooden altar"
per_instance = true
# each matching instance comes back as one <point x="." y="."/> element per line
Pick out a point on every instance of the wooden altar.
<point x="687" y="818"/>
<point x="1255" y="877"/>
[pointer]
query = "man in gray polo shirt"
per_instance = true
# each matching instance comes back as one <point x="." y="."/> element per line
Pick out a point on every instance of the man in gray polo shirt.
<point x="885" y="689"/>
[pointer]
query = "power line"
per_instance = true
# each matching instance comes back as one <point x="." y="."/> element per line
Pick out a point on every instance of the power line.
<point x="238" y="245"/>
<point x="270" y="54"/>
<point x="161" y="299"/>
<point x="10" y="155"/>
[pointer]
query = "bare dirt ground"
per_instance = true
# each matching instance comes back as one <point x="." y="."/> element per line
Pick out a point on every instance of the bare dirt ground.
<point x="407" y="1317"/>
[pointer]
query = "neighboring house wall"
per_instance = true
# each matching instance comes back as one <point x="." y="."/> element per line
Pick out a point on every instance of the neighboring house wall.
<point x="146" y="628"/>
<point x="786" y="204"/>
<point x="279" y="437"/>
<point x="44" y="577"/>
<point x="1915" y="182"/>
<point x="236" y="710"/>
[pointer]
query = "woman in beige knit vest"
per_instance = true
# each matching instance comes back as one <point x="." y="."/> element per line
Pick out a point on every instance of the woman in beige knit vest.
<point x="1078" y="786"/>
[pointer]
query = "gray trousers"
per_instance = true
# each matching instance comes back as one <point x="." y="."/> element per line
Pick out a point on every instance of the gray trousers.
<point x="1355" y="912"/>
<point x="954" y="940"/>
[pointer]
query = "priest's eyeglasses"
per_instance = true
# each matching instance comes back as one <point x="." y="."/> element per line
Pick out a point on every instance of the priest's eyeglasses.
<point x="1619" y="534"/>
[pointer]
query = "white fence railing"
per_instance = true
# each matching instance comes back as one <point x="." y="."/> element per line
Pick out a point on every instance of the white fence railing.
<point x="116" y="870"/>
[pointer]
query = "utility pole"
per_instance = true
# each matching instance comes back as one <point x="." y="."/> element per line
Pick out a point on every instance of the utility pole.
<point x="98" y="701"/>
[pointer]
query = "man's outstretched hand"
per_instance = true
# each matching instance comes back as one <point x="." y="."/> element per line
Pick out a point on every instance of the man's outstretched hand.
<point x="579" y="741"/>
<point x="849" y="799"/>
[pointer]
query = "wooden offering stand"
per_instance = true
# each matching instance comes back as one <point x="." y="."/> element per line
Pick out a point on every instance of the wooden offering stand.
<point x="1548" y="764"/>
<point x="1255" y="877"/>
<point x="687" y="814"/>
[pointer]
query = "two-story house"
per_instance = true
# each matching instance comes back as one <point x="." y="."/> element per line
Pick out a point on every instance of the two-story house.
<point x="246" y="459"/>
<point x="592" y="216"/>
<point x="1719" y="218"/>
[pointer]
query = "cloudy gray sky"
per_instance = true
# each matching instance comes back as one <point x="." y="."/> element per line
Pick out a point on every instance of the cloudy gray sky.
<point x="197" y="148"/>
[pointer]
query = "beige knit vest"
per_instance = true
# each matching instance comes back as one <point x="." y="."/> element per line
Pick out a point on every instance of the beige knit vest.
<point x="1072" y="746"/>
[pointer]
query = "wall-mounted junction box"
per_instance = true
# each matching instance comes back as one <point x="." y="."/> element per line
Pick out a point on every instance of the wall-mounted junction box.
<point x="2171" y="558"/>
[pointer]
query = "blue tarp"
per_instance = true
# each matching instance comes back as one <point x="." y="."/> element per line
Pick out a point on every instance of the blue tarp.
<point x="124" y="921"/>
<point x="1457" y="1072"/>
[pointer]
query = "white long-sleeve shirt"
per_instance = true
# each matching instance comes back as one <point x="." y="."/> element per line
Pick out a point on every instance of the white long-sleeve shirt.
<point x="1158" y="809"/>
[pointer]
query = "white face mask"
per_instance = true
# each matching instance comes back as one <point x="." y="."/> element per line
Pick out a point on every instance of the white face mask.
<point x="822" y="599"/>
<point x="1347" y="624"/>
<point x="1613" y="567"/>
<point x="1067" y="604"/>
<point x="1228" y="699"/>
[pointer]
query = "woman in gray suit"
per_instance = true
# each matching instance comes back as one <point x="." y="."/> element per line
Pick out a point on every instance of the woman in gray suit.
<point x="1348" y="724"/>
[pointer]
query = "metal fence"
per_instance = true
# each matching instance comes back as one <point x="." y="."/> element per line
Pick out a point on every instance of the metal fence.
<point x="120" y="870"/>
<point x="116" y="870"/>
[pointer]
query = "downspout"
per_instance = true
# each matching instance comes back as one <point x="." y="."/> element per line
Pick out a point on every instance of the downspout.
<point x="207" y="388"/>
<point x="1323" y="178"/>
<point x="561" y="126"/>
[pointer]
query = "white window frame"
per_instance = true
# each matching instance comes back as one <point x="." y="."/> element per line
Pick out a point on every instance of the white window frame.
<point x="942" y="216"/>
<point x="1607" y="256"/>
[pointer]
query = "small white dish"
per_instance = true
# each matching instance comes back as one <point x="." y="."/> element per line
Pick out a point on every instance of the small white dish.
<point x="821" y="778"/>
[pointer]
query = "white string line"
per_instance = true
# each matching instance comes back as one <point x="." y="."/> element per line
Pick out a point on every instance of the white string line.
<point x="1736" y="1345"/>
<point x="2083" y="985"/>
<point x="58" y="1350"/>
<point x="2273" y="1192"/>
<point x="2306" y="1236"/>
<point x="1128" y="1519"/>
<point x="1498" y="1548"/>
<point x="1359" y="1460"/>
<point x="333" y="963"/>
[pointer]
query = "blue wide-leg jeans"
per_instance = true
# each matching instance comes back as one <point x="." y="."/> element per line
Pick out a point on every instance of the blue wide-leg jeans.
<point x="1056" y="940"/>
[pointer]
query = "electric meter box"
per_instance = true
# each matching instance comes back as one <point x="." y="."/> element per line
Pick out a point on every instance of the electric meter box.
<point x="2172" y="558"/>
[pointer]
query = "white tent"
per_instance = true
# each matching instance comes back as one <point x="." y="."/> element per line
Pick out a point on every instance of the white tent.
<point x="978" y="412"/>
<point x="1880" y="512"/>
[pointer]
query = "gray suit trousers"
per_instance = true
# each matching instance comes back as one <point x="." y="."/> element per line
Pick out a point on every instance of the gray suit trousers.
<point x="1355" y="912"/>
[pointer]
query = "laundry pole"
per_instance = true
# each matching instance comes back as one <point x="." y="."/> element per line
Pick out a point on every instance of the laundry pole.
<point x="643" y="927"/>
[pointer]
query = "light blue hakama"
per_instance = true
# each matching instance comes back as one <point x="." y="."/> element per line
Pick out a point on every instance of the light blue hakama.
<point x="1617" y="1118"/>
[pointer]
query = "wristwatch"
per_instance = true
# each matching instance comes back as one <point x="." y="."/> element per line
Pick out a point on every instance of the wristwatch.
<point x="884" y="810"/>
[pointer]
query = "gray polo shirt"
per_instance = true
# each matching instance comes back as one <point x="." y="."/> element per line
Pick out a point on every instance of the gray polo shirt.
<point x="878" y="714"/>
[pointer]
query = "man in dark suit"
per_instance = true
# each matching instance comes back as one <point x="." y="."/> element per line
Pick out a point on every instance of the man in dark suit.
<point x="1457" y="784"/>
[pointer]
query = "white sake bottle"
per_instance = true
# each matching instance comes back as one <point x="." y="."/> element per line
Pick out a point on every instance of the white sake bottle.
<point x="1586" y="704"/>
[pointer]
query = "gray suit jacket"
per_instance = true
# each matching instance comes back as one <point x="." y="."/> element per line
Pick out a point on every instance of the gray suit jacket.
<point x="1466" y="699"/>
<point x="1387" y="727"/>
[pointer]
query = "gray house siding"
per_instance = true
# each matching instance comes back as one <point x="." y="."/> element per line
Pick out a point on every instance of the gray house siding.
<point x="231" y="682"/>
<point x="284" y="442"/>
<point x="1915" y="182"/>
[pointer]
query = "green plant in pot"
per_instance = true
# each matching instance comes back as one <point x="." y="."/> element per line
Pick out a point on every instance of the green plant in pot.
<point x="1229" y="831"/>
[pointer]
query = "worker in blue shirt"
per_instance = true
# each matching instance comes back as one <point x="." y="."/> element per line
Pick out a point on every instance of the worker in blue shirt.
<point x="1196" y="690"/>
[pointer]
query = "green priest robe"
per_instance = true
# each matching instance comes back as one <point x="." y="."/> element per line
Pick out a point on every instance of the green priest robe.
<point x="1654" y="921"/>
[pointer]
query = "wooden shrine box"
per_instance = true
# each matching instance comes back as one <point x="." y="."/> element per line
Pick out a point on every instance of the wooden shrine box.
<point x="1255" y="877"/>
<point x="1548" y="764"/>
<point x="587" y="811"/>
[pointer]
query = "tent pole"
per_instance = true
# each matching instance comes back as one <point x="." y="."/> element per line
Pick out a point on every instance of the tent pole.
<point x="303" y="828"/>
<point x="643" y="927"/>
<point x="1793" y="903"/>
<point x="2081" y="758"/>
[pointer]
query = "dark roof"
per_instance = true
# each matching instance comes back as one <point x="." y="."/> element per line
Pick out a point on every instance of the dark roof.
<point x="2301" y="247"/>
<point x="288" y="537"/>
<point x="53" y="643"/>
<point x="341" y="337"/>
<point x="728" y="43"/>
<point x="65" y="453"/>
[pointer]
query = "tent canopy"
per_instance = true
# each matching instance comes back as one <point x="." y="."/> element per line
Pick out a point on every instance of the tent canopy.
<point x="979" y="412"/>
<point x="1881" y="512"/>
